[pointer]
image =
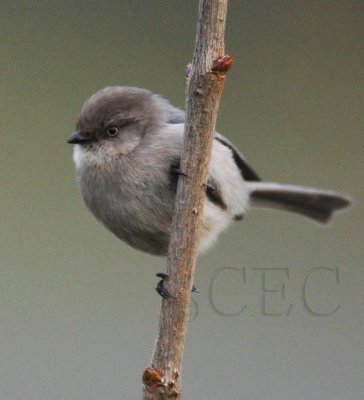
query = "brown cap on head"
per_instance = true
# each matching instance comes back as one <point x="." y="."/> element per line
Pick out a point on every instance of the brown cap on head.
<point x="113" y="104"/>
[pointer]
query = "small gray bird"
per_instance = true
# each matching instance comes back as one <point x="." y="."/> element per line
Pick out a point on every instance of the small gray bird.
<point x="127" y="150"/>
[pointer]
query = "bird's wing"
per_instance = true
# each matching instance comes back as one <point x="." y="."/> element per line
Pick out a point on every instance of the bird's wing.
<point x="246" y="170"/>
<point x="177" y="116"/>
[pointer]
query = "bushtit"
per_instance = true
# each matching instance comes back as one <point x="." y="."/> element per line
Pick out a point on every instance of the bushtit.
<point x="127" y="150"/>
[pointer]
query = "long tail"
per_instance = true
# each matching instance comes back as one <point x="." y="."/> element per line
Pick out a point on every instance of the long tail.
<point x="317" y="204"/>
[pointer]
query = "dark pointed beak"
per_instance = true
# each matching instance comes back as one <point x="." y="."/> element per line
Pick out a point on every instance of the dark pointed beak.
<point x="77" y="138"/>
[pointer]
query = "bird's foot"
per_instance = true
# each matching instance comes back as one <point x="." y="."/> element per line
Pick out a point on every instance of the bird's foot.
<point x="165" y="293"/>
<point x="160" y="289"/>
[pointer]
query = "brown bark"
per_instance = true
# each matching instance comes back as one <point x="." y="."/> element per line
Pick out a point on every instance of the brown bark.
<point x="204" y="89"/>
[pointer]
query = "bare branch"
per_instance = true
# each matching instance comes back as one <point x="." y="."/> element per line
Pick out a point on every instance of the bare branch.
<point x="204" y="88"/>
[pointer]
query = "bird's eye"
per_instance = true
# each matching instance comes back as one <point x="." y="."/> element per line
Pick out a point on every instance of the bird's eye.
<point x="112" y="131"/>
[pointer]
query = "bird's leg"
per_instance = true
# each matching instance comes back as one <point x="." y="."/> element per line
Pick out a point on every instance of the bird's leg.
<point x="176" y="170"/>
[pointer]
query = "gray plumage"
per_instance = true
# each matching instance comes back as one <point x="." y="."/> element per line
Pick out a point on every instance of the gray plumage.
<point x="127" y="150"/>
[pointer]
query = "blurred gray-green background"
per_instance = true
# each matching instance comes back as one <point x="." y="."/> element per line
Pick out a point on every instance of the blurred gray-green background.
<point x="78" y="311"/>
